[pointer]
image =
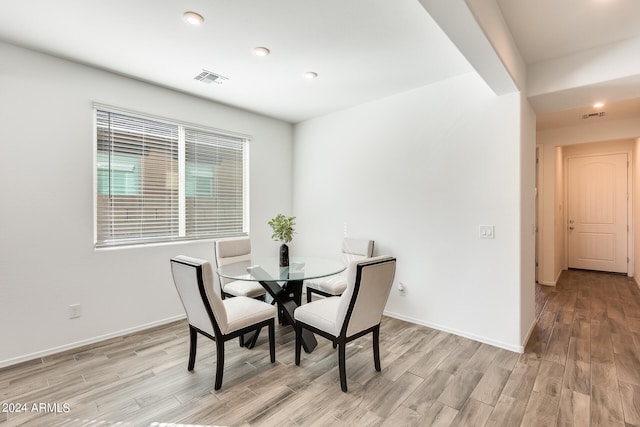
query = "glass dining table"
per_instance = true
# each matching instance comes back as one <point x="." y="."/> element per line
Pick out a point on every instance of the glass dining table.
<point x="283" y="284"/>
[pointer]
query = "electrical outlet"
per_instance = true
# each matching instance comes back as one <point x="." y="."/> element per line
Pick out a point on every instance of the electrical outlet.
<point x="487" y="232"/>
<point x="75" y="311"/>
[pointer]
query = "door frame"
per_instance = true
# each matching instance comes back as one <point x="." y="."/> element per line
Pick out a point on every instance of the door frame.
<point x="565" y="219"/>
<point x="539" y="207"/>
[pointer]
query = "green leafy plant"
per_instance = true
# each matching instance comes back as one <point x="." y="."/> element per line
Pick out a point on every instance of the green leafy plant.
<point x="283" y="228"/>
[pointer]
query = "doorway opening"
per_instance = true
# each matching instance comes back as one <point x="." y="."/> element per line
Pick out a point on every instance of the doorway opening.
<point x="557" y="245"/>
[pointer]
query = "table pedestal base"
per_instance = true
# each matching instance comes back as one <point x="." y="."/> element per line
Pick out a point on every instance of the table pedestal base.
<point x="288" y="298"/>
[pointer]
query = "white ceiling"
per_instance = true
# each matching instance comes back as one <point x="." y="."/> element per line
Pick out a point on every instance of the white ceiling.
<point x="362" y="49"/>
<point x="625" y="109"/>
<point x="547" y="30"/>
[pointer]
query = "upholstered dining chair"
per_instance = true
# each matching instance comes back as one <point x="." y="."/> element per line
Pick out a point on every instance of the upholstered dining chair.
<point x="235" y="250"/>
<point x="220" y="320"/>
<point x="352" y="250"/>
<point x="355" y="313"/>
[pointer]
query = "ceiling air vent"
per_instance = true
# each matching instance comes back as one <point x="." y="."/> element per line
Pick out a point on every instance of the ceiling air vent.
<point x="209" y="77"/>
<point x="591" y="115"/>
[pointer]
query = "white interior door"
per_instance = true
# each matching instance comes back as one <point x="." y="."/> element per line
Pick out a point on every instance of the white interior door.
<point x="597" y="213"/>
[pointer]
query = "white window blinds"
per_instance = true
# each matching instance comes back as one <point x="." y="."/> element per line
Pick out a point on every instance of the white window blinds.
<point x="214" y="184"/>
<point x="160" y="181"/>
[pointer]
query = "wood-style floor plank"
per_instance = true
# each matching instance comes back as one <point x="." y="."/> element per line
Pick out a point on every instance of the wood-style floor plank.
<point x="574" y="409"/>
<point x="581" y="367"/>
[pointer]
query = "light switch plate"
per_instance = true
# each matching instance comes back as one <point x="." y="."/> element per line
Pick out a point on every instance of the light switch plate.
<point x="75" y="311"/>
<point x="487" y="232"/>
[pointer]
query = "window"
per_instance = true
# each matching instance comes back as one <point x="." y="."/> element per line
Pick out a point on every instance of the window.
<point x="160" y="181"/>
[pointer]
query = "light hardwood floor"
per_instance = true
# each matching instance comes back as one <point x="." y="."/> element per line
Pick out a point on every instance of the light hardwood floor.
<point x="581" y="368"/>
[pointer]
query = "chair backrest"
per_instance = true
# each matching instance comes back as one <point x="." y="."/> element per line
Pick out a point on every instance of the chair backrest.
<point x="356" y="249"/>
<point x="232" y="250"/>
<point x="369" y="283"/>
<point x="194" y="282"/>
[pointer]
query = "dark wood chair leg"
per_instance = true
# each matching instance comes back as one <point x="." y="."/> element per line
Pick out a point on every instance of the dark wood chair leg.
<point x="193" y="345"/>
<point x="376" y="347"/>
<point x="298" y="343"/>
<point x="309" y="295"/>
<point x="272" y="340"/>
<point x="219" y="364"/>
<point x="342" y="365"/>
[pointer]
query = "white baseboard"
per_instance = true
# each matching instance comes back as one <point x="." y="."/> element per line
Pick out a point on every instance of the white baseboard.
<point x="526" y="338"/>
<point x="558" y="277"/>
<point x="93" y="340"/>
<point x="510" y="347"/>
<point x="554" y="283"/>
<point x="547" y="283"/>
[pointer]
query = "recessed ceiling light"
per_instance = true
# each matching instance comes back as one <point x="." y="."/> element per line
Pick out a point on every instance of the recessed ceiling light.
<point x="261" y="51"/>
<point x="310" y="75"/>
<point x="193" y="18"/>
<point x="598" y="105"/>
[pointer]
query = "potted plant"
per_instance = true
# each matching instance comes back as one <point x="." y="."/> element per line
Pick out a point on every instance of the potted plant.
<point x="283" y="231"/>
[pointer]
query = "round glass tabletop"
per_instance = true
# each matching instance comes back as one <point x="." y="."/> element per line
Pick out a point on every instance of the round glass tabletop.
<point x="265" y="269"/>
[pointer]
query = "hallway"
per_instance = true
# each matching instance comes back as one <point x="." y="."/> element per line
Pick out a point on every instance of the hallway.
<point x="586" y="346"/>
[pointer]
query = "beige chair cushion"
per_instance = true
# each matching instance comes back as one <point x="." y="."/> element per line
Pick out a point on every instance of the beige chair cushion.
<point x="236" y="250"/>
<point x="362" y="248"/>
<point x="321" y="314"/>
<point x="334" y="285"/>
<point x="244" y="288"/>
<point x="352" y="250"/>
<point x="375" y="286"/>
<point x="230" y="314"/>
<point x="186" y="280"/>
<point x="233" y="248"/>
<point x="329" y="314"/>
<point x="243" y="312"/>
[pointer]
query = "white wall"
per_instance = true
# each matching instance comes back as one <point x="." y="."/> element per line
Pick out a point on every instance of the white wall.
<point x="636" y="208"/>
<point x="418" y="173"/>
<point x="46" y="237"/>
<point x="527" y="219"/>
